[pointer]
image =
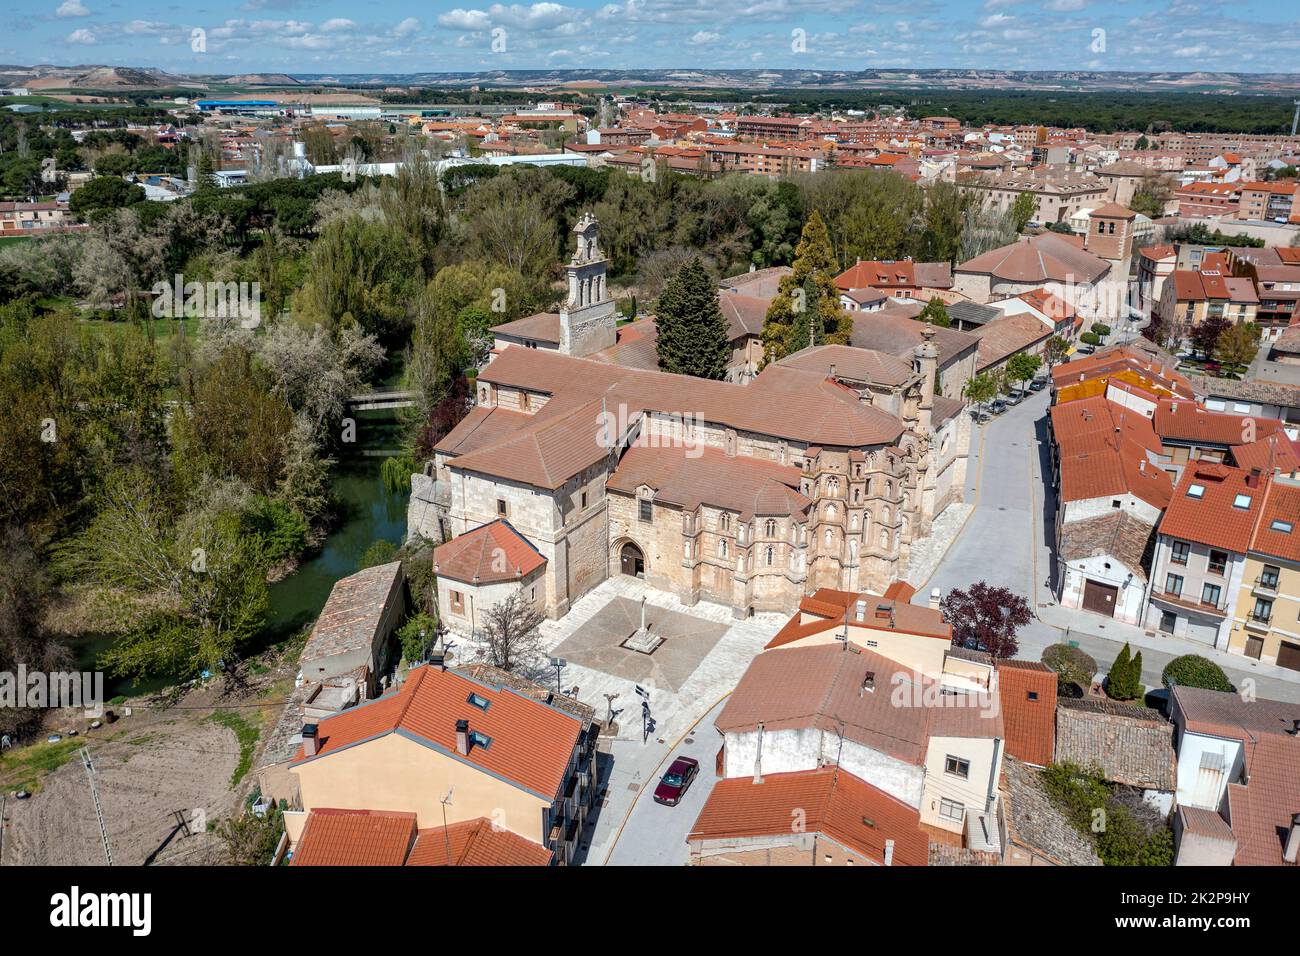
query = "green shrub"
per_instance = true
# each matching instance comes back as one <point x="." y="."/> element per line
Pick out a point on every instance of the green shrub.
<point x="1192" y="670"/>
<point x="416" y="635"/>
<point x="282" y="529"/>
<point x="1094" y="809"/>
<point x="379" y="552"/>
<point x="1072" y="665"/>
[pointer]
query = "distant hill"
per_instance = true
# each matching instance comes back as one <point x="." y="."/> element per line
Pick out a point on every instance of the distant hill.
<point x="93" y="77"/>
<point x="262" y="79"/>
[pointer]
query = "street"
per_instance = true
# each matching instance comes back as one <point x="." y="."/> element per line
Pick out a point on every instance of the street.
<point x="1007" y="541"/>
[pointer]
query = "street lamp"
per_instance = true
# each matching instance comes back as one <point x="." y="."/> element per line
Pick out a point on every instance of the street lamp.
<point x="559" y="663"/>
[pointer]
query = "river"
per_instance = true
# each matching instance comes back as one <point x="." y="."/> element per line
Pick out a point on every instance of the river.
<point x="367" y="512"/>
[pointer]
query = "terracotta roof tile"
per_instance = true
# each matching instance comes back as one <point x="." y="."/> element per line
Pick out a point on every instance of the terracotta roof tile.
<point x="1215" y="517"/>
<point x="1188" y="421"/>
<point x="1034" y="821"/>
<point x="531" y="743"/>
<point x="1261" y="811"/>
<point x="1045" y="258"/>
<point x="834" y="802"/>
<point x="354" y="838"/>
<point x="1029" y="721"/>
<point x="1118" y="534"/>
<point x="476" y="843"/>
<point x="490" y="553"/>
<point x="1130" y="745"/>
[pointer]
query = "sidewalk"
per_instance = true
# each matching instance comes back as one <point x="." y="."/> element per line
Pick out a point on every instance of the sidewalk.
<point x="1073" y="622"/>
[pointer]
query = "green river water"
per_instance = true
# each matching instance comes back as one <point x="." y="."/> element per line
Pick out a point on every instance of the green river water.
<point x="368" y="513"/>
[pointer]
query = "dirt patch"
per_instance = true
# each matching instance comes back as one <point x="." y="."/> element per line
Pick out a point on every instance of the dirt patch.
<point x="189" y="754"/>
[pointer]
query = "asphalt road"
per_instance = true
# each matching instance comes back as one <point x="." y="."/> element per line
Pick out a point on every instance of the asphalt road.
<point x="655" y="835"/>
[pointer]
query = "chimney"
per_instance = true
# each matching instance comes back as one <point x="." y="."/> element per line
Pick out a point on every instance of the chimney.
<point x="889" y="853"/>
<point x="309" y="740"/>
<point x="934" y="599"/>
<point x="1252" y="479"/>
<point x="832" y="371"/>
<point x="1291" y="851"/>
<point x="868" y="684"/>
<point x="462" y="737"/>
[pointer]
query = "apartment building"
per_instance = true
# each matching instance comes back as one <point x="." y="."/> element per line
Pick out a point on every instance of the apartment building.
<point x="1272" y="202"/>
<point x="510" y="751"/>
<point x="1266" y="625"/>
<point x="1188" y="298"/>
<point x="1199" y="199"/>
<point x="1200" y="554"/>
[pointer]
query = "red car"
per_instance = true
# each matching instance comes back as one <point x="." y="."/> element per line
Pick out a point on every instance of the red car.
<point x="674" y="783"/>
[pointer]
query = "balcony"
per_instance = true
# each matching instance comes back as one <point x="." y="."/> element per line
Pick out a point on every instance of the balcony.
<point x="1266" y="584"/>
<point x="1258" y="622"/>
<point x="1187" y="604"/>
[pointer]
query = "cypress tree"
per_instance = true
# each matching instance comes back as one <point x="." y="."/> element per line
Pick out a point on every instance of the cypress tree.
<point x="691" y="332"/>
<point x="814" y="269"/>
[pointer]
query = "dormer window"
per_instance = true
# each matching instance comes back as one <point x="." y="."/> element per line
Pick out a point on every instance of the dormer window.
<point x="479" y="701"/>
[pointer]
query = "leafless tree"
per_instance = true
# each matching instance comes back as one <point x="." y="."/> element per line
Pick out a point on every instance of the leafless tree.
<point x="510" y="630"/>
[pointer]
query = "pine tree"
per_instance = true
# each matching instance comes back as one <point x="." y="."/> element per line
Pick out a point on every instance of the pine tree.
<point x="691" y="332"/>
<point x="814" y="271"/>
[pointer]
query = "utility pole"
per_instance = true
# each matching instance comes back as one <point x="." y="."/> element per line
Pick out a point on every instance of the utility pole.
<point x="94" y="796"/>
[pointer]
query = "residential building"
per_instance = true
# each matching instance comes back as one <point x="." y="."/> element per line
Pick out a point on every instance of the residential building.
<point x="1266" y="625"/>
<point x="1056" y="195"/>
<point x="482" y="568"/>
<point x="453" y="747"/>
<point x="1189" y="298"/>
<point x="1239" y="761"/>
<point x="332" y="837"/>
<point x="902" y="278"/>
<point x="1207" y="199"/>
<point x="351" y="634"/>
<point x="1200" y="556"/>
<point x="1128" y="744"/>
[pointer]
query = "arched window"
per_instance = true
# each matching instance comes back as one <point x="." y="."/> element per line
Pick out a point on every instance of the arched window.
<point x="884" y="539"/>
<point x="725" y="521"/>
<point x="771" y="528"/>
<point x="771" y="556"/>
<point x="829" y="537"/>
<point x="722" y="547"/>
<point x="832" y="486"/>
<point x="830" y="512"/>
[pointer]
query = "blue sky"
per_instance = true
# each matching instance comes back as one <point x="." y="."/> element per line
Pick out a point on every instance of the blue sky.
<point x="403" y="36"/>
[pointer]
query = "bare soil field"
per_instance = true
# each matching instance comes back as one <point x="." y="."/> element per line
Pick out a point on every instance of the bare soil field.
<point x="191" y="754"/>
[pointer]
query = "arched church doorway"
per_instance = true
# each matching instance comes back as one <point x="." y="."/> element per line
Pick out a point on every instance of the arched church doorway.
<point x="631" y="560"/>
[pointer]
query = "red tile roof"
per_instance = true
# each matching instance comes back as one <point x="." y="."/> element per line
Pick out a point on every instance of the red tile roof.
<point x="491" y="553"/>
<point x="1261" y="811"/>
<point x="1102" y="450"/>
<point x="833" y="802"/>
<point x="1187" y="421"/>
<point x="1281" y="507"/>
<point x="1214" y="519"/>
<point x="531" y="743"/>
<point x="476" y="843"/>
<point x="354" y="838"/>
<point x="1030" y="723"/>
<point x="821" y="687"/>
<point x="832" y="607"/>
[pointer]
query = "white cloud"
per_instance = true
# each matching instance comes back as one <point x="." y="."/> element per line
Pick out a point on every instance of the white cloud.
<point x="336" y="24"/>
<point x="995" y="20"/>
<point x="459" y="19"/>
<point x="1065" y="6"/>
<point x="81" y="37"/>
<point x="704" y="37"/>
<point x="71" y="8"/>
<point x="407" y="27"/>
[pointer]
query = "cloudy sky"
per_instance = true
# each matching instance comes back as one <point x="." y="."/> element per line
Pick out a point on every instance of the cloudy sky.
<point x="402" y="36"/>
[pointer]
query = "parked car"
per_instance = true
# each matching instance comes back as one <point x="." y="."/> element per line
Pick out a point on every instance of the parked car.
<point x="997" y="406"/>
<point x="676" y="781"/>
<point x="1015" y="398"/>
<point x="1038" y="384"/>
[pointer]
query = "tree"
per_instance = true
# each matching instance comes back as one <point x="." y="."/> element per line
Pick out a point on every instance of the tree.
<point x="1090" y="338"/>
<point x="1023" y="210"/>
<point x="1192" y="670"/>
<point x="1101" y="329"/>
<point x="250" y="840"/>
<point x="1023" y="366"/>
<point x="1072" y="665"/>
<point x="1205" y="335"/>
<point x="1237" y="345"/>
<point x="936" y="313"/>
<point x="986" y="618"/>
<point x="1123" y="682"/>
<point x="415" y="636"/>
<point x="815" y="261"/>
<point x="1142" y="143"/>
<point x="1058" y="350"/>
<point x="510" y="629"/>
<point x="102" y="195"/>
<point x="981" y="389"/>
<point x="692" y="334"/>
<point x="1151" y="196"/>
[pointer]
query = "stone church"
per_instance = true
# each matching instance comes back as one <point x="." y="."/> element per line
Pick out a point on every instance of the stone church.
<point x="822" y="471"/>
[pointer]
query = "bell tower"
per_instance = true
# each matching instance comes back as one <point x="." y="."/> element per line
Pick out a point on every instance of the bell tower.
<point x="587" y="320"/>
